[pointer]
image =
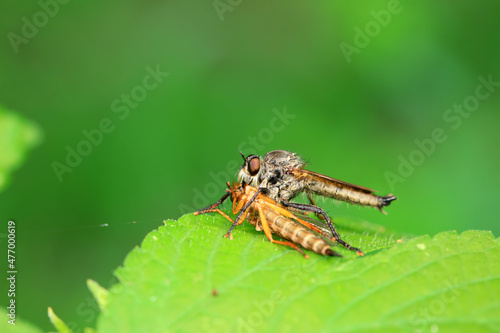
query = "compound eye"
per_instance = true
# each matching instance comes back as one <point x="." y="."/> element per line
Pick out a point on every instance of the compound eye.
<point x="253" y="166"/>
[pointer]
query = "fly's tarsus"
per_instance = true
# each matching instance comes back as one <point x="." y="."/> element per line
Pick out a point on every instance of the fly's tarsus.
<point x="336" y="238"/>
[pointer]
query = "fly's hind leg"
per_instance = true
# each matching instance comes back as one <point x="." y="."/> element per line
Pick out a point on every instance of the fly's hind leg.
<point x="319" y="211"/>
<point x="313" y="203"/>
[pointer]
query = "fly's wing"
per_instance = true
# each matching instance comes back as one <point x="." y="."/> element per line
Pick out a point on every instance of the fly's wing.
<point x="317" y="177"/>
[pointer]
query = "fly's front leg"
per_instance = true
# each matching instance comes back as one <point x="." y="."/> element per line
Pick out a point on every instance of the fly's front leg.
<point x="319" y="211"/>
<point x="242" y="214"/>
<point x="239" y="220"/>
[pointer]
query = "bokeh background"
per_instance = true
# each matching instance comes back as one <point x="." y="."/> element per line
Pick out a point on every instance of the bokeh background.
<point x="350" y="87"/>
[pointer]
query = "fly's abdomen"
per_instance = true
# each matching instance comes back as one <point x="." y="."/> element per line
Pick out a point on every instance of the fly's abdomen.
<point x="297" y="234"/>
<point x="346" y="193"/>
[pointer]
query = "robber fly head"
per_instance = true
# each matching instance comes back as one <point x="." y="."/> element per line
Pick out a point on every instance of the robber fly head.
<point x="251" y="170"/>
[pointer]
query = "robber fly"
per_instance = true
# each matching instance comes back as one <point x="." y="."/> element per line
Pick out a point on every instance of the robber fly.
<point x="267" y="215"/>
<point x="281" y="176"/>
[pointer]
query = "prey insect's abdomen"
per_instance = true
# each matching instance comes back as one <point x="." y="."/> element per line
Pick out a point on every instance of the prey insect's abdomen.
<point x="297" y="234"/>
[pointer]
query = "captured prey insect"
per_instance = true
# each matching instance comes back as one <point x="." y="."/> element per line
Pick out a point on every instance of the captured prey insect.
<point x="281" y="176"/>
<point x="267" y="215"/>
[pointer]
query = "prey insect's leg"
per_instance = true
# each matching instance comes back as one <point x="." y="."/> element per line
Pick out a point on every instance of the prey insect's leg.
<point x="217" y="210"/>
<point x="267" y="231"/>
<point x="317" y="210"/>
<point x="212" y="206"/>
<point x="242" y="214"/>
<point x="212" y="209"/>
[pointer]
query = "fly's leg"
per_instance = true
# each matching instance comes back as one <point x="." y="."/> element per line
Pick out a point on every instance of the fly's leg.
<point x="313" y="203"/>
<point x="235" y="223"/>
<point x="319" y="211"/>
<point x="269" y="236"/>
<point x="287" y="213"/>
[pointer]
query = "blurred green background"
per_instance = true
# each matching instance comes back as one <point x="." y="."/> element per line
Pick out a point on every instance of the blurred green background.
<point x="352" y="86"/>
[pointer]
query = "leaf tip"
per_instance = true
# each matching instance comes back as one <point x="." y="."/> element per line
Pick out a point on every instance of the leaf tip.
<point x="60" y="326"/>
<point x="100" y="293"/>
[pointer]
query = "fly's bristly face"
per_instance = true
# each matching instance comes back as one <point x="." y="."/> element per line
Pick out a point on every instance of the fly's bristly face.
<point x="252" y="170"/>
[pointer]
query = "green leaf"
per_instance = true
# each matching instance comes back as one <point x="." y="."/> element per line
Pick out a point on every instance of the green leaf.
<point x="89" y="330"/>
<point x="17" y="136"/>
<point x="57" y="322"/>
<point x="100" y="294"/>
<point x="186" y="277"/>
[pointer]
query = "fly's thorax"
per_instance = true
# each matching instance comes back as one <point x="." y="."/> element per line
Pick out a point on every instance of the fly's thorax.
<point x="279" y="183"/>
<point x="291" y="187"/>
<point x="284" y="158"/>
<point x="272" y="192"/>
